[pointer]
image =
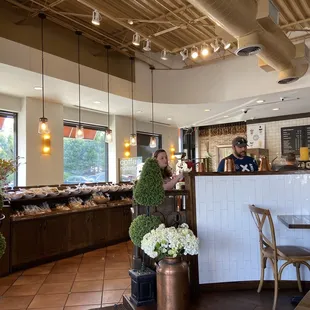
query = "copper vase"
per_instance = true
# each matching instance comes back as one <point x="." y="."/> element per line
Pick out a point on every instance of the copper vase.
<point x="229" y="165"/>
<point x="172" y="284"/>
<point x="264" y="164"/>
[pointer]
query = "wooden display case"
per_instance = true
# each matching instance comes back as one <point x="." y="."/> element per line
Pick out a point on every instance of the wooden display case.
<point x="36" y="239"/>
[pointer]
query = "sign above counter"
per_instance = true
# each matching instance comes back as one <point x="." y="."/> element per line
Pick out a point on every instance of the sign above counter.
<point x="293" y="138"/>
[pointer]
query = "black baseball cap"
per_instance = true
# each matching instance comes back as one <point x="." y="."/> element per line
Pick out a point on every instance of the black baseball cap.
<point x="239" y="141"/>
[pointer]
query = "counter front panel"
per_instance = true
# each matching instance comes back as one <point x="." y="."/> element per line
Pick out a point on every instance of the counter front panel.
<point x="229" y="244"/>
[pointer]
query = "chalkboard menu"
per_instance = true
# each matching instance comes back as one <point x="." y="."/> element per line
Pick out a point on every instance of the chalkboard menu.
<point x="293" y="138"/>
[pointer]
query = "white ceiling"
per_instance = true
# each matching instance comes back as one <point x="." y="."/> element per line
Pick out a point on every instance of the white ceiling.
<point x="19" y="82"/>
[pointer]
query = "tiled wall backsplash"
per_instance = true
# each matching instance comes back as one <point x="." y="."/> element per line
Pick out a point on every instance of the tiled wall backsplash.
<point x="229" y="244"/>
<point x="273" y="139"/>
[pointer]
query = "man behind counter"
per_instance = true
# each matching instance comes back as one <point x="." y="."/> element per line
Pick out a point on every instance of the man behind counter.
<point x="243" y="163"/>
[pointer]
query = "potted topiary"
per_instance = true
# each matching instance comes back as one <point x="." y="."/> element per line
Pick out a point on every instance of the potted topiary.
<point x="148" y="192"/>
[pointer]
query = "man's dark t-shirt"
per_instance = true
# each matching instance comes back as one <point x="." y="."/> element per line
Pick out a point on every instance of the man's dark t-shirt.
<point x="245" y="164"/>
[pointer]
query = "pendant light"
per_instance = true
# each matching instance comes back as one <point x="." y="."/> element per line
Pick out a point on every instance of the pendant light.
<point x="108" y="133"/>
<point x="153" y="143"/>
<point x="133" y="136"/>
<point x="43" y="121"/>
<point x="79" y="132"/>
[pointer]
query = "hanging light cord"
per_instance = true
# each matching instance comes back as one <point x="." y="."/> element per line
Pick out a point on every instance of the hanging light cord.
<point x="132" y="123"/>
<point x="152" y="69"/>
<point x="79" y="74"/>
<point x="42" y="16"/>
<point x="108" y="72"/>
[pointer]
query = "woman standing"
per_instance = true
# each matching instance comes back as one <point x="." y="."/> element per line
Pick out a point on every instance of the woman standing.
<point x="169" y="180"/>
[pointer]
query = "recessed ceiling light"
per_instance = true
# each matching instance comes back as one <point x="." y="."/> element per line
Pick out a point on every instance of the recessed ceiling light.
<point x="38" y="88"/>
<point x="139" y="111"/>
<point x="260" y="101"/>
<point x="169" y="118"/>
<point x="225" y="116"/>
<point x="207" y="110"/>
<point x="276" y="109"/>
<point x="97" y="102"/>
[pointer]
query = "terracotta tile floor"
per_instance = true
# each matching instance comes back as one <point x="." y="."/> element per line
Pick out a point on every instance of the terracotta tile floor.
<point x="86" y="281"/>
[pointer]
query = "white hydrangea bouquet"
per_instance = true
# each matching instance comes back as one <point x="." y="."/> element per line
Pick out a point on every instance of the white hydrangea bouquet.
<point x="170" y="242"/>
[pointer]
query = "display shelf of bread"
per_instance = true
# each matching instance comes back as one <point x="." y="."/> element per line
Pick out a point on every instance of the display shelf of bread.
<point x="63" y="191"/>
<point x="51" y="200"/>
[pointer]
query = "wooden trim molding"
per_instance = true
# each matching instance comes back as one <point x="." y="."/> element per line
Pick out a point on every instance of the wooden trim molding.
<point x="250" y="285"/>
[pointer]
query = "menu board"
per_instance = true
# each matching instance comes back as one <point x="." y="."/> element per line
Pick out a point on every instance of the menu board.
<point x="293" y="138"/>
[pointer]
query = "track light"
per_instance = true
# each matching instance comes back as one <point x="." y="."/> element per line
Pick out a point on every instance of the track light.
<point x="226" y="44"/>
<point x="147" y="45"/>
<point x="136" y="39"/>
<point x="96" y="18"/>
<point x="215" y="46"/>
<point x="163" y="54"/>
<point x="194" y="52"/>
<point x="184" y="54"/>
<point x="204" y="51"/>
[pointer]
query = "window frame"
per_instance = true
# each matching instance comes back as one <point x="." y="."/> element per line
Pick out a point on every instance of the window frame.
<point x="13" y="115"/>
<point x="98" y="128"/>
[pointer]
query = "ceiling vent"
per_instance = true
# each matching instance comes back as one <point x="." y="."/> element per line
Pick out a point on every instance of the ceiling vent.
<point x="255" y="26"/>
<point x="248" y="51"/>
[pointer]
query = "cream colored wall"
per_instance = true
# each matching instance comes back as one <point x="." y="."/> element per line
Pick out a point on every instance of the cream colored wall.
<point x="43" y="169"/>
<point x="38" y="169"/>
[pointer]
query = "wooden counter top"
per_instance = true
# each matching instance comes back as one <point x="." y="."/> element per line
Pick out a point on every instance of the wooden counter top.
<point x="259" y="173"/>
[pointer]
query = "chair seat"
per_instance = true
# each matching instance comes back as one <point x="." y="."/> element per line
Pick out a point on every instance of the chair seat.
<point x="292" y="252"/>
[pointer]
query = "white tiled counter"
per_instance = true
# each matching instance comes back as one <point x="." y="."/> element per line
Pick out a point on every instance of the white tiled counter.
<point x="229" y="244"/>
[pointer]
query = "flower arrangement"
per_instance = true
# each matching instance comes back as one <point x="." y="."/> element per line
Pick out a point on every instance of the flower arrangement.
<point x="142" y="225"/>
<point x="170" y="242"/>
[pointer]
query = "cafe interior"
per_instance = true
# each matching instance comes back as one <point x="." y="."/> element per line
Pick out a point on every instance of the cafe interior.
<point x="90" y="89"/>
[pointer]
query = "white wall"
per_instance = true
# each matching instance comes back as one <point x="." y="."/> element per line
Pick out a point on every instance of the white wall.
<point x="229" y="79"/>
<point x="273" y="134"/>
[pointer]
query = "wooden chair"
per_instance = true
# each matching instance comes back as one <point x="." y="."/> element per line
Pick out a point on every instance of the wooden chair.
<point x="269" y="250"/>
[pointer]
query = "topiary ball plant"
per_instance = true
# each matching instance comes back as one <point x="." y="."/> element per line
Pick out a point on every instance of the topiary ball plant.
<point x="2" y="245"/>
<point x="142" y="225"/>
<point x="149" y="190"/>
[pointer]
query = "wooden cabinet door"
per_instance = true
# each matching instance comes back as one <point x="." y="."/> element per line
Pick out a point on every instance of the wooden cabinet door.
<point x="127" y="216"/>
<point x="80" y="230"/>
<point x="55" y="235"/>
<point x="26" y="241"/>
<point x="115" y="223"/>
<point x="99" y="226"/>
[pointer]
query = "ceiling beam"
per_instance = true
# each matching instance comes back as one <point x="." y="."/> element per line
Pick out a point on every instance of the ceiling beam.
<point x="73" y="27"/>
<point x="53" y="4"/>
<point x="91" y="4"/>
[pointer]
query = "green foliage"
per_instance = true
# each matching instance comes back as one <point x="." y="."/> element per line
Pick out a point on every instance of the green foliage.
<point x="84" y="157"/>
<point x="149" y="190"/>
<point x="7" y="150"/>
<point x="142" y="225"/>
<point x="2" y="245"/>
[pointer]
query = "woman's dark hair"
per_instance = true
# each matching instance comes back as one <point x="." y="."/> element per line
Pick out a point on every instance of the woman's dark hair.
<point x="166" y="172"/>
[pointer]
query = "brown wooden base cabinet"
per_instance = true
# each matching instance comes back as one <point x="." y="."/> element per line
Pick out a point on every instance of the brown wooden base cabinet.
<point x="39" y="239"/>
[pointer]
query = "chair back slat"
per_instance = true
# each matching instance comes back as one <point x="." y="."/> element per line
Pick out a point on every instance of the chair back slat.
<point x="262" y="217"/>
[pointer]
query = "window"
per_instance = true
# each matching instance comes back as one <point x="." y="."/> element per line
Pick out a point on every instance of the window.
<point x="143" y="141"/>
<point x="85" y="160"/>
<point x="8" y="145"/>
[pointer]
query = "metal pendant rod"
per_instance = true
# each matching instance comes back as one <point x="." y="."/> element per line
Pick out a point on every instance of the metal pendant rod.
<point x="79" y="33"/>
<point x="42" y="16"/>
